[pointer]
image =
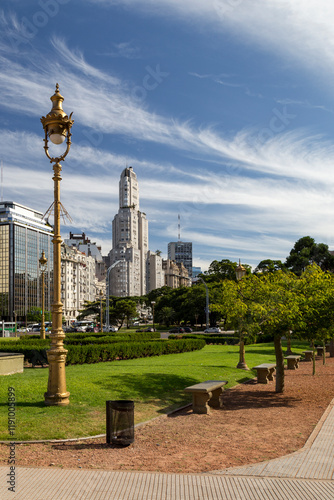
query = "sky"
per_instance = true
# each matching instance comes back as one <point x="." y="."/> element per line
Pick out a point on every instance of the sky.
<point x="224" y="109"/>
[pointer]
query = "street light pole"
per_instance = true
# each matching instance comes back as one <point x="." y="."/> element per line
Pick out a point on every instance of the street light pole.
<point x="240" y="273"/>
<point x="43" y="260"/>
<point x="57" y="127"/>
<point x="207" y="310"/>
<point x="107" y="293"/>
<point x="153" y="304"/>
<point x="101" y="312"/>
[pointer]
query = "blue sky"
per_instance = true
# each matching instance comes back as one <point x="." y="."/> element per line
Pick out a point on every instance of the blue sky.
<point x="224" y="109"/>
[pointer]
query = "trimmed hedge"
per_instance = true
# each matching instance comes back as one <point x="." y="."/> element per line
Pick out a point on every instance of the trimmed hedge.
<point x="209" y="339"/>
<point x="128" y="350"/>
<point x="79" y="354"/>
<point x="33" y="353"/>
<point x="110" y="339"/>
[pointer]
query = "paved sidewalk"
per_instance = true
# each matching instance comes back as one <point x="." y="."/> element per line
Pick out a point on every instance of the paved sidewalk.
<point x="305" y="475"/>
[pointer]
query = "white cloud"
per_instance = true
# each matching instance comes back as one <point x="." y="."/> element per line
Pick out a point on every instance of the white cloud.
<point x="296" y="29"/>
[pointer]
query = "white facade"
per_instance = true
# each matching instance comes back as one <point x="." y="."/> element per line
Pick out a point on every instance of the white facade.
<point x="155" y="271"/>
<point x="77" y="281"/>
<point x="130" y="241"/>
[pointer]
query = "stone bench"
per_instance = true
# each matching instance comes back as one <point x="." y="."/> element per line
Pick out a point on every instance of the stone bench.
<point x="265" y="372"/>
<point x="320" y="350"/>
<point x="11" y="363"/>
<point x="205" y="394"/>
<point x="308" y="355"/>
<point x="292" y="361"/>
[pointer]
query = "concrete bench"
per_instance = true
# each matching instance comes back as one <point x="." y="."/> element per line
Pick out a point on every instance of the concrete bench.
<point x="265" y="372"/>
<point x="11" y="363"/>
<point x="308" y="355"/>
<point x="292" y="361"/>
<point x="205" y="394"/>
<point x="320" y="350"/>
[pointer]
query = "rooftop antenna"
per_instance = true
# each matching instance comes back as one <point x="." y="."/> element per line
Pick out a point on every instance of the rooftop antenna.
<point x="179" y="228"/>
<point x="1" y="180"/>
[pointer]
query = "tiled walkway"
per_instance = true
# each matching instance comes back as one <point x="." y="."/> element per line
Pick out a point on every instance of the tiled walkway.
<point x="306" y="475"/>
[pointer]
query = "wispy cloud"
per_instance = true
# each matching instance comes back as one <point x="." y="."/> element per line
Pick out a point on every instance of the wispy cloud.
<point x="306" y="27"/>
<point x="124" y="49"/>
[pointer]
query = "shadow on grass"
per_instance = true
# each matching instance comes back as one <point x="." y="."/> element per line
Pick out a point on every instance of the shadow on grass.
<point x="161" y="388"/>
<point x="39" y="404"/>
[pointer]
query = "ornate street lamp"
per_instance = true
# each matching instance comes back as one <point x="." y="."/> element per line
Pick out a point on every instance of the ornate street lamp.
<point x="240" y="273"/>
<point x="42" y="262"/>
<point x="57" y="127"/>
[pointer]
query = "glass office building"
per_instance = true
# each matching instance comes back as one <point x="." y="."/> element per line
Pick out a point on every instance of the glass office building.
<point x="23" y="236"/>
<point x="182" y="251"/>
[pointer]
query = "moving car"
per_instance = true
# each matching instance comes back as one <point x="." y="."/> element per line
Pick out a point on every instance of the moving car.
<point x="214" y="329"/>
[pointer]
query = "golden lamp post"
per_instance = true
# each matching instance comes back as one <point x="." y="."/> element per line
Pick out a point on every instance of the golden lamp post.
<point x="57" y="127"/>
<point x="42" y="262"/>
<point x="240" y="273"/>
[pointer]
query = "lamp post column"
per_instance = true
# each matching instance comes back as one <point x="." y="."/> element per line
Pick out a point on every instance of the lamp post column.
<point x="240" y="273"/>
<point x="57" y="393"/>
<point x="153" y="304"/>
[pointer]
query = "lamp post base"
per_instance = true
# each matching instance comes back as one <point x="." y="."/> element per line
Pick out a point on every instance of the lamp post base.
<point x="56" y="394"/>
<point x="242" y="365"/>
<point x="56" y="399"/>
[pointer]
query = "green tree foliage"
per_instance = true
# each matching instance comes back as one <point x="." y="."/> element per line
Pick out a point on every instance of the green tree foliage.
<point x="222" y="270"/>
<point x="269" y="266"/>
<point x="34" y="315"/>
<point x="305" y="252"/>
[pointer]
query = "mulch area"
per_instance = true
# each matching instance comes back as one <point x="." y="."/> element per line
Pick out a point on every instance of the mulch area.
<point x="256" y="424"/>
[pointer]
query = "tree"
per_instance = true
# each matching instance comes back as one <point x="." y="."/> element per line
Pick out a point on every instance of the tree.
<point x="124" y="309"/>
<point x="305" y="252"/>
<point x="166" y="315"/>
<point x="269" y="266"/>
<point x="224" y="269"/>
<point x="316" y="296"/>
<point x="34" y="315"/>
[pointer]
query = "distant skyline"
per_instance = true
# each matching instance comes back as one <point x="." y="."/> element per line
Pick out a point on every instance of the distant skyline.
<point x="224" y="109"/>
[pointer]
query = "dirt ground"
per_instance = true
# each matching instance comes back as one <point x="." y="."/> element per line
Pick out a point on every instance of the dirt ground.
<point x="255" y="424"/>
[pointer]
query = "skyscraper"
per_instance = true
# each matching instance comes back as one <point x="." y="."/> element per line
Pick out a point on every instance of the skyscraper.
<point x="129" y="241"/>
<point x="23" y="236"/>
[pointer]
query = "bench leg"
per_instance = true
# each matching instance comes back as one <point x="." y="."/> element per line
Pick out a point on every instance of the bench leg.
<point x="271" y="374"/>
<point x="262" y="375"/>
<point x="291" y="364"/>
<point x="200" y="402"/>
<point x="216" y="400"/>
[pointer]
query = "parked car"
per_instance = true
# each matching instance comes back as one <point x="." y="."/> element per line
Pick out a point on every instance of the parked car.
<point x="111" y="329"/>
<point x="149" y="329"/>
<point x="214" y="329"/>
<point x="187" y="329"/>
<point x="177" y="330"/>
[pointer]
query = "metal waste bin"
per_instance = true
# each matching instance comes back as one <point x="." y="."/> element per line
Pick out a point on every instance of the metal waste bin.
<point x="120" y="422"/>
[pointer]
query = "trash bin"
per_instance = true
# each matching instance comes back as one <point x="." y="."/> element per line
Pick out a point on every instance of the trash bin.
<point x="120" y="422"/>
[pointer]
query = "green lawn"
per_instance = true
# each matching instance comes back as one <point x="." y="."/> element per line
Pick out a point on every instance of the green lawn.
<point x="155" y="384"/>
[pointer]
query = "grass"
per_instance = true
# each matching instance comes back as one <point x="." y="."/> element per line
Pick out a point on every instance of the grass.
<point x="155" y="384"/>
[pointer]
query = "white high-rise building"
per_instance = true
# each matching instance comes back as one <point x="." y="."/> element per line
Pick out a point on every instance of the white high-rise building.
<point x="129" y="241"/>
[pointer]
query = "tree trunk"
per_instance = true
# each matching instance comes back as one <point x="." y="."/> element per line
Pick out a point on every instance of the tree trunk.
<point x="288" y="344"/>
<point x="323" y="352"/>
<point x="313" y="358"/>
<point x="279" y="364"/>
<point x="331" y="348"/>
